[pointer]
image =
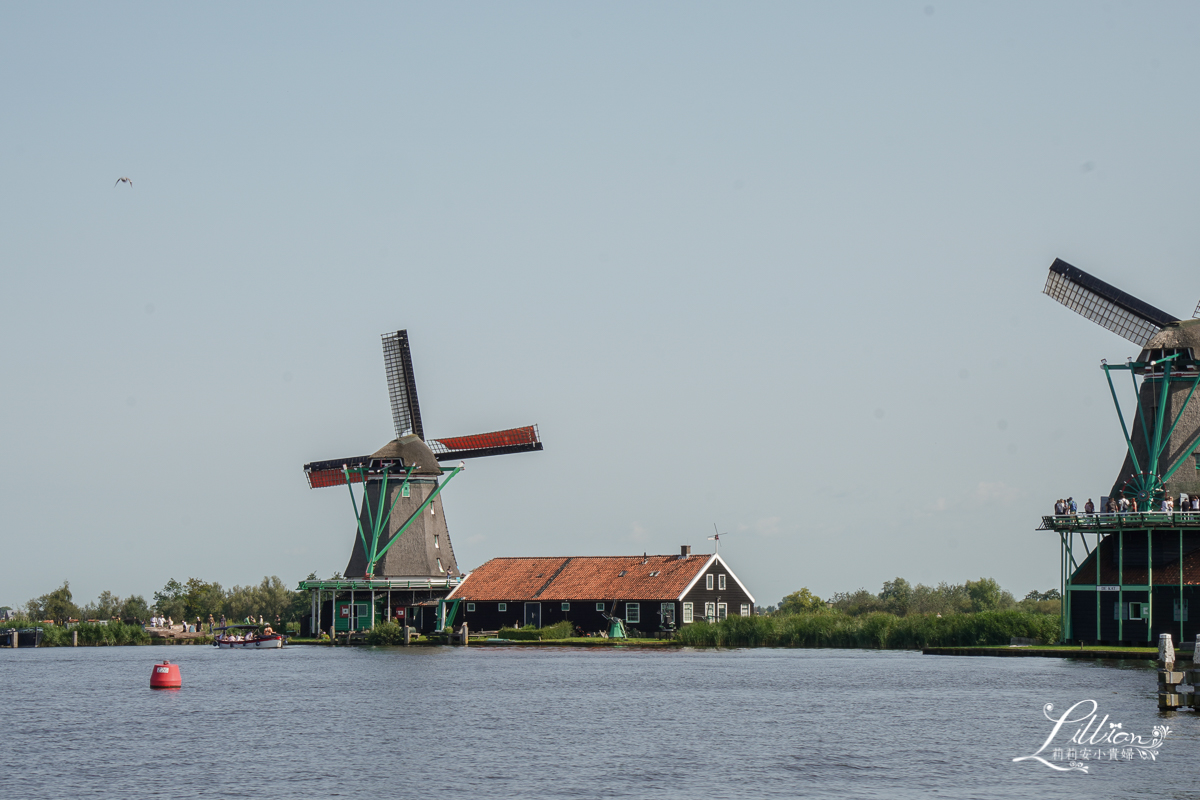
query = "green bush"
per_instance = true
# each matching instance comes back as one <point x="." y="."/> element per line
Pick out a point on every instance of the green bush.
<point x="386" y="633"/>
<point x="559" y="630"/>
<point x="90" y="633"/>
<point x="874" y="630"/>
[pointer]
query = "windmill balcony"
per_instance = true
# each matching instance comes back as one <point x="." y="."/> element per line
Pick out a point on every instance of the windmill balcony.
<point x="1139" y="520"/>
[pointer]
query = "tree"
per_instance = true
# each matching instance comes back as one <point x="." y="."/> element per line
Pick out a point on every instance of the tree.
<point x="800" y="601"/>
<point x="986" y="595"/>
<point x="897" y="596"/>
<point x="201" y="599"/>
<point x="170" y="601"/>
<point x="134" y="609"/>
<point x="56" y="605"/>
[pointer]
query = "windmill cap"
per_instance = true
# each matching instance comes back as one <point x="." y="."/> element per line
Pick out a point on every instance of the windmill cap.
<point x="411" y="450"/>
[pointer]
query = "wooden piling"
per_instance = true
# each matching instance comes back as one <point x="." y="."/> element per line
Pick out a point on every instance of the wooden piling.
<point x="74" y="638"/>
<point x="407" y="635"/>
<point x="1169" y="696"/>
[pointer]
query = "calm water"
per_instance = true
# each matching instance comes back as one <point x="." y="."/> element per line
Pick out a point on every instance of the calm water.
<point x="525" y="722"/>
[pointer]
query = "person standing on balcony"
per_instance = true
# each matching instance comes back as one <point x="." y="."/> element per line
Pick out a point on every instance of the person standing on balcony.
<point x="1089" y="507"/>
<point x="1073" y="509"/>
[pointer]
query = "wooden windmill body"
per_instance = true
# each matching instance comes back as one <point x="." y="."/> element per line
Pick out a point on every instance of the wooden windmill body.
<point x="401" y="530"/>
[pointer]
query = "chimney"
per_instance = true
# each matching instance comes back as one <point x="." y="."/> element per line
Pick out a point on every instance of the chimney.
<point x="685" y="550"/>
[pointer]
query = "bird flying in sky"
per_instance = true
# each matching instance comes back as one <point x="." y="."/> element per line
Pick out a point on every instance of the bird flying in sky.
<point x="123" y="180"/>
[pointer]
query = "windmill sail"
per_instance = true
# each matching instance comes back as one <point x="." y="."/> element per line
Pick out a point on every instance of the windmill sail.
<point x="496" y="443"/>
<point x="402" y="384"/>
<point x="1105" y="304"/>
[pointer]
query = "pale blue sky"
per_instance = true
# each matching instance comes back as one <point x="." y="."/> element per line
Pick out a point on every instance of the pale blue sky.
<point x="773" y="266"/>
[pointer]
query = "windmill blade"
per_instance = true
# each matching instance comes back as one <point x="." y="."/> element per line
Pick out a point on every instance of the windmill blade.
<point x="331" y="473"/>
<point x="1105" y="304"/>
<point x="496" y="443"/>
<point x="402" y="384"/>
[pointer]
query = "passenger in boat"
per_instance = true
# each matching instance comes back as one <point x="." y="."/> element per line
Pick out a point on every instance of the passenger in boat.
<point x="268" y="631"/>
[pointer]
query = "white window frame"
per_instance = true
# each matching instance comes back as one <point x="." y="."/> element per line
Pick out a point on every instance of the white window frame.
<point x="566" y="606"/>
<point x="708" y="581"/>
<point x="599" y="606"/>
<point x="405" y="491"/>
<point x="633" y="612"/>
<point x="745" y="609"/>
<point x="722" y="611"/>
<point x="439" y="562"/>
<point x="721" y="583"/>
<point x="470" y="606"/>
<point x="436" y="544"/>
<point x="687" y="613"/>
<point x="502" y="606"/>
<point x="710" y="612"/>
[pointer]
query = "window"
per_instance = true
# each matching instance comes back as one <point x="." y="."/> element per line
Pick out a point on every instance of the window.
<point x="710" y="612"/>
<point x="667" y="613"/>
<point x="436" y="544"/>
<point x="502" y="606"/>
<point x="721" y="582"/>
<point x="1184" y="618"/>
<point x="745" y="609"/>
<point x="633" y="612"/>
<point x="566" y="606"/>
<point x="621" y="574"/>
<point x="440" y="566"/>
<point x="708" y="582"/>
<point x="1134" y="611"/>
<point x="722" y="611"/>
<point x="599" y="606"/>
<point x="687" y="613"/>
<point x="405" y="491"/>
<point x="470" y="606"/>
<point x="654" y="574"/>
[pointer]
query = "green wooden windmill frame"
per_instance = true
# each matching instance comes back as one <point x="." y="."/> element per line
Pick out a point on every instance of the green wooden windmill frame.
<point x="1149" y="481"/>
<point x="377" y="519"/>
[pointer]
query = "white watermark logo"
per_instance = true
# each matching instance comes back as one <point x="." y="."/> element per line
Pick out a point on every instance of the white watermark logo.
<point x="1079" y="738"/>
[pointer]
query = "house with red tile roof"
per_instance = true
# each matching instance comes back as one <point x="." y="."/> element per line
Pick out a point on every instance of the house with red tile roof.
<point x="651" y="593"/>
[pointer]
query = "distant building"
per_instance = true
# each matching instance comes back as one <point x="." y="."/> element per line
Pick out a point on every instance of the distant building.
<point x="649" y="593"/>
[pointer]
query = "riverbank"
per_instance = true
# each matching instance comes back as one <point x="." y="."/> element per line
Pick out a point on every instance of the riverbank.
<point x="1054" y="651"/>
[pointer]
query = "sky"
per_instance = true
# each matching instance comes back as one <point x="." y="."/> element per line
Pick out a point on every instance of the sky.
<point x="773" y="267"/>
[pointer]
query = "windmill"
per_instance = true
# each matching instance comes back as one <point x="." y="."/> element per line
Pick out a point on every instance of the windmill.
<point x="401" y="530"/>
<point x="1163" y="431"/>
<point x="716" y="537"/>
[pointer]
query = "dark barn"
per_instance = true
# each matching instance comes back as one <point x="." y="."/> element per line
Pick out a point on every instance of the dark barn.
<point x="650" y="593"/>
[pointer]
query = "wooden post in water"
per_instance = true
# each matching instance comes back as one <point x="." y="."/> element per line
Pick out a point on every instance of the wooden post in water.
<point x="1193" y="676"/>
<point x="16" y="634"/>
<point x="1168" y="679"/>
<point x="408" y="635"/>
<point x="74" y="638"/>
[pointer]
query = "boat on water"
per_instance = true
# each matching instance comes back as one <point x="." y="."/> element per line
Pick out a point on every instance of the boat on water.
<point x="26" y="637"/>
<point x="248" y="637"/>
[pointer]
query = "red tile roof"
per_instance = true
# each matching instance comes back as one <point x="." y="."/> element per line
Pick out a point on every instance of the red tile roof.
<point x="582" y="578"/>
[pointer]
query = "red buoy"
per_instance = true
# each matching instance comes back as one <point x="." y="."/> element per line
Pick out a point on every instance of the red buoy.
<point x="165" y="676"/>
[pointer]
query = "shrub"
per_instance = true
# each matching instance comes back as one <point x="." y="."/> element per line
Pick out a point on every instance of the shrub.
<point x="386" y="633"/>
<point x="874" y="630"/>
<point x="559" y="630"/>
